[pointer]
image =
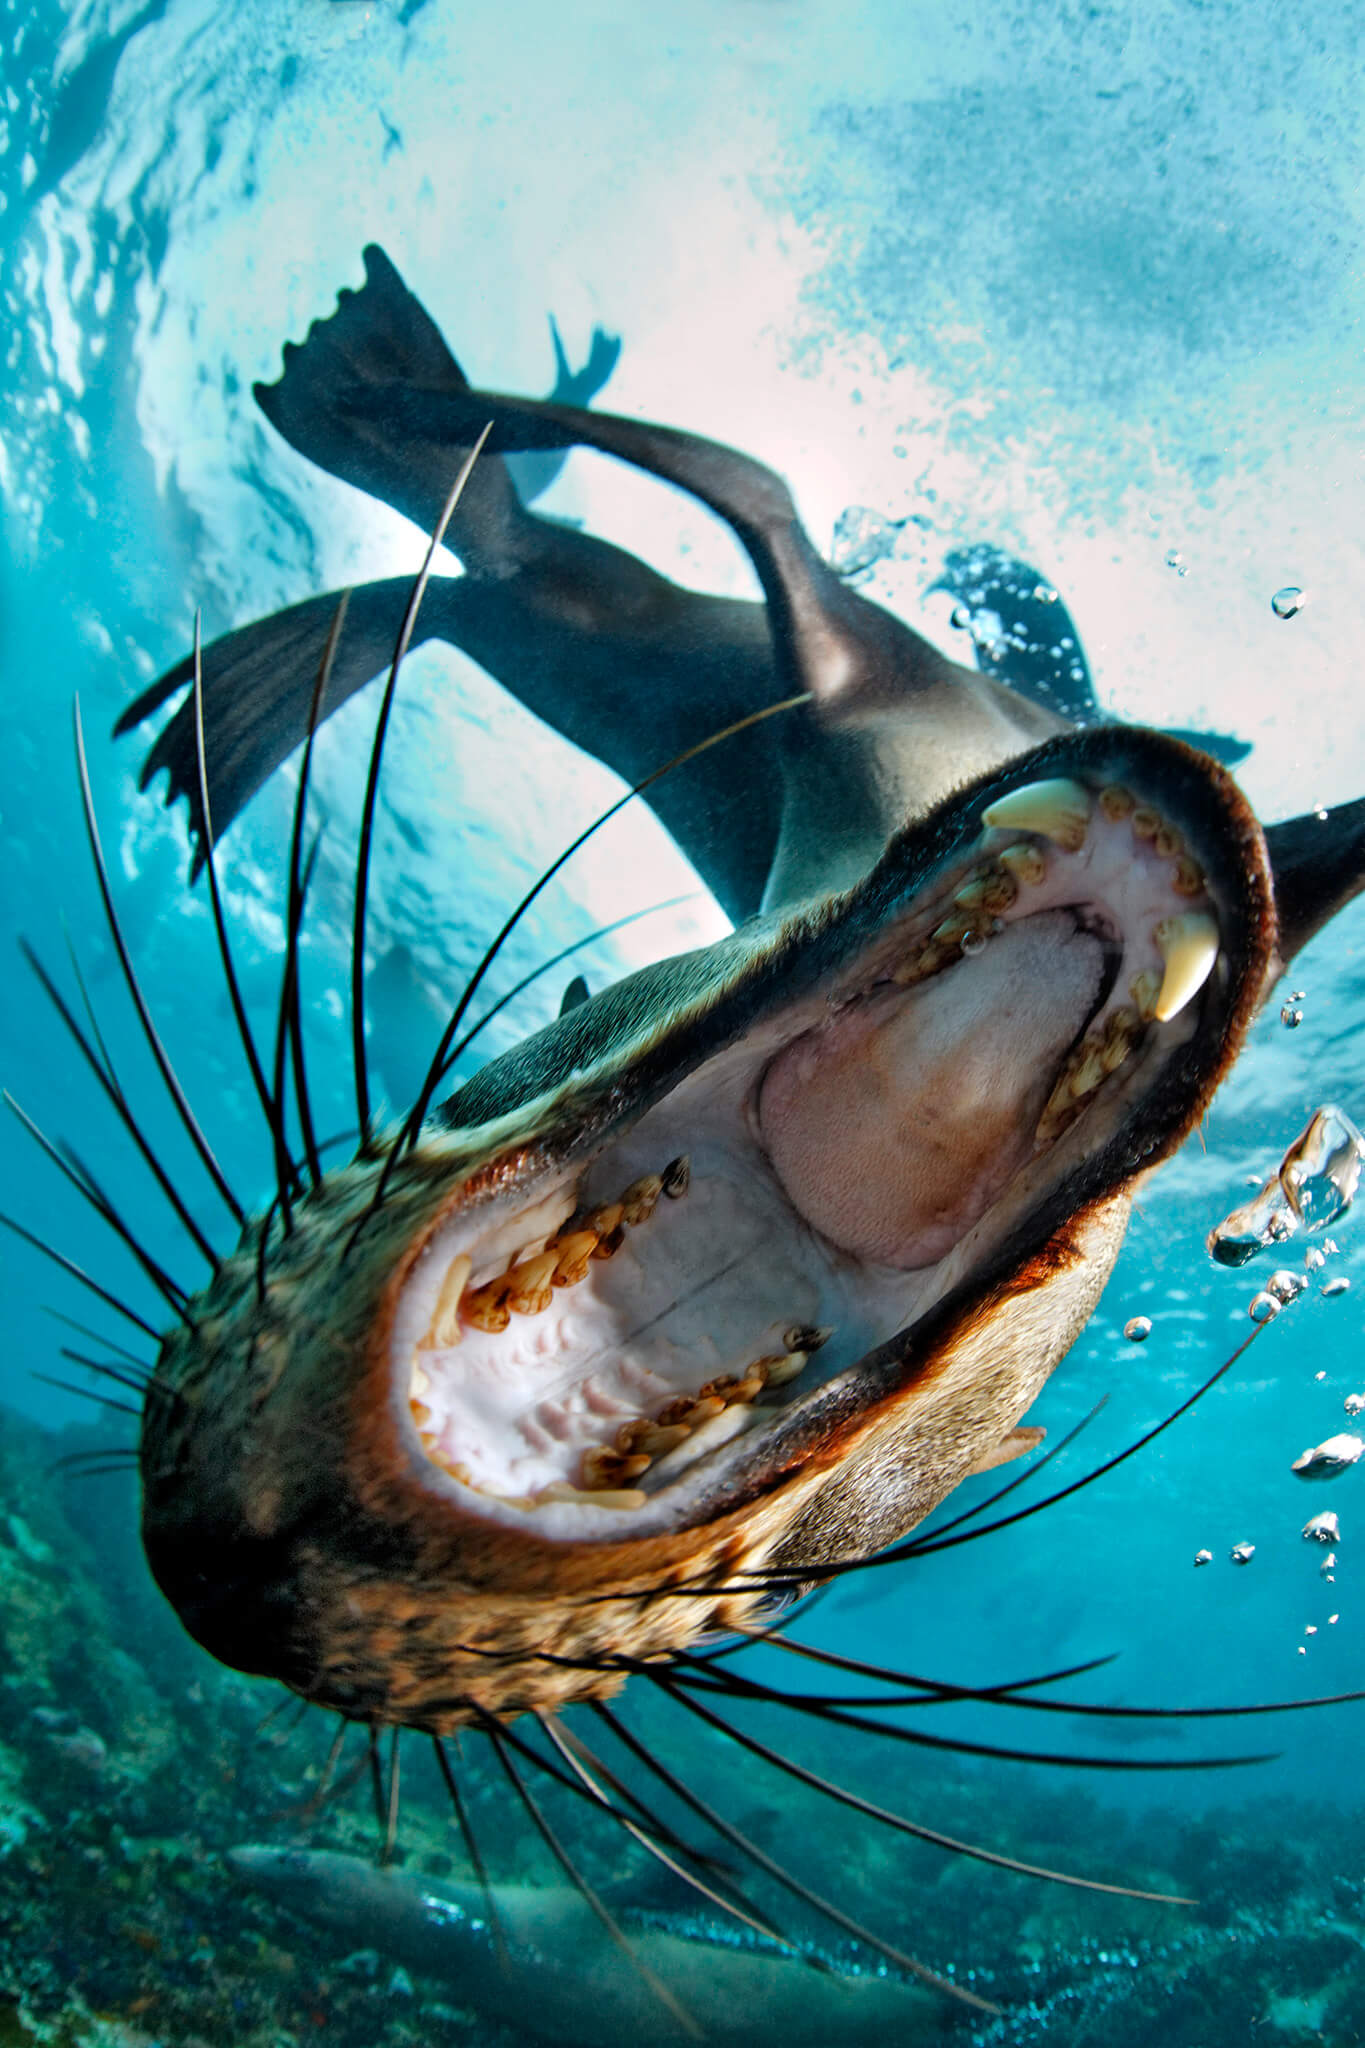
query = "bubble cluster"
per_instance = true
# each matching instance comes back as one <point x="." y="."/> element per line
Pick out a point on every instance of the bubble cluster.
<point x="1313" y="1185"/>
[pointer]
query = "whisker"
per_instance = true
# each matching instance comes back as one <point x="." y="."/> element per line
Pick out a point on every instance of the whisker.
<point x="102" y="1067"/>
<point x="828" y="1789"/>
<point x="362" y="872"/>
<point x="88" y="1394"/>
<point x="381" y="1804"/>
<point x="146" y="1386"/>
<point x="290" y="1012"/>
<point x="391" y="1817"/>
<point x="149" y="1030"/>
<point x="208" y="853"/>
<point x="548" y="967"/>
<point x="471" y="1844"/>
<point x="728" y="1684"/>
<point x="497" y="1736"/>
<point x="85" y="1184"/>
<point x="287" y="1176"/>
<point x="762" y="1861"/>
<point x="78" y="1274"/>
<point x="98" y="1337"/>
<point x="577" y="1754"/>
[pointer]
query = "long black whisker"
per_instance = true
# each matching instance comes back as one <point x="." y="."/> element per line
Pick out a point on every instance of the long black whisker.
<point x="112" y="1372"/>
<point x="871" y="1811"/>
<point x="89" y="1394"/>
<point x="391" y="1817"/>
<point x="932" y="1689"/>
<point x="573" y="1784"/>
<point x="727" y="1683"/>
<point x="290" y="1014"/>
<point x="287" y="1177"/>
<point x="74" y="1170"/>
<point x="263" y="1246"/>
<point x="548" y="967"/>
<point x="77" y="1273"/>
<point x="466" y="1828"/>
<point x="149" y="1030"/>
<point x="362" y="872"/>
<point x="497" y="1736"/>
<point x="121" y="1456"/>
<point x="416" y="1116"/>
<point x="108" y="1470"/>
<point x="98" y="1337"/>
<point x="580" y="1758"/>
<point x="208" y="850"/>
<point x="762" y="1861"/>
<point x="381" y="1804"/>
<point x="102" y="1067"/>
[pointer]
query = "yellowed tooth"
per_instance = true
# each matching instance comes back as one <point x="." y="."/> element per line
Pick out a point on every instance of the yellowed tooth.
<point x="1188" y="879"/>
<point x="1144" y="988"/>
<point x="444" y="1328"/>
<point x="573" y="1251"/>
<point x="421" y="1415"/>
<point x="1120" y="1032"/>
<point x="603" y="1467"/>
<point x="948" y="936"/>
<point x="1188" y="944"/>
<point x="1086" y="1076"/>
<point x="1116" y="802"/>
<point x="609" y="1226"/>
<point x="1002" y="892"/>
<point x="972" y="894"/>
<point x="1058" y="809"/>
<point x="1146" y="822"/>
<point x="650" y="1439"/>
<point x="529" y="1292"/>
<point x="486" y="1307"/>
<point x="807" y="1337"/>
<point x="600" y="1497"/>
<point x="785" y="1366"/>
<point x="420" y="1383"/>
<point x="1168" y="842"/>
<point x="638" y="1201"/>
<point x="1025" y="862"/>
<point x="677" y="1177"/>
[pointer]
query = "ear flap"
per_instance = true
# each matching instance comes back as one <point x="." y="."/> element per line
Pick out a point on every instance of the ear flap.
<point x="1319" y="866"/>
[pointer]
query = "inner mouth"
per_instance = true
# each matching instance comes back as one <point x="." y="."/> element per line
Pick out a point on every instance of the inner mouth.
<point x="809" y="1191"/>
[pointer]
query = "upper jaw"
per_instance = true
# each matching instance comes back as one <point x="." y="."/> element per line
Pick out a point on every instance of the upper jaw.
<point x="686" y="1079"/>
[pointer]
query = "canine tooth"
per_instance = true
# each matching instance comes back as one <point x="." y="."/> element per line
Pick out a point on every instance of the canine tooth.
<point x="717" y="1430"/>
<point x="1025" y="862"/>
<point x="444" y="1328"/>
<point x="1188" y="944"/>
<point x="1058" y="809"/>
<point x="1144" y="988"/>
<point x="1188" y="879"/>
<point x="574" y="1250"/>
<point x="1116" y="802"/>
<point x="677" y="1177"/>
<point x="638" y="1201"/>
<point x="1146" y="822"/>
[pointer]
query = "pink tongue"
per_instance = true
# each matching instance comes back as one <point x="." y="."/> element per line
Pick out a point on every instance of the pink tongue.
<point x="893" y="1127"/>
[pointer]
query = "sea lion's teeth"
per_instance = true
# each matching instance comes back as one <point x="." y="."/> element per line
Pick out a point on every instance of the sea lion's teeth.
<point x="574" y="1250"/>
<point x="972" y="894"/>
<point x="1188" y="944"/>
<point x="1168" y="842"/>
<point x="419" y="1384"/>
<point x="607" y="1246"/>
<point x="1025" y="862"/>
<point x="599" y="1497"/>
<point x="1002" y="892"/>
<point x="1144" y="988"/>
<point x="677" y="1177"/>
<point x="807" y="1337"/>
<point x="787" y="1365"/>
<point x="1058" y="809"/>
<point x="1146" y="822"/>
<point x="486" y="1307"/>
<point x="1116" y="802"/>
<point x="1123" y="1027"/>
<point x="638" y="1201"/>
<point x="529" y="1293"/>
<point x="1086" y="1076"/>
<point x="443" y="1330"/>
<point x="421" y="1415"/>
<point x="718" y="1429"/>
<point x="607" y="1222"/>
<point x="1188" y="878"/>
<point x="603" y="1468"/>
<point x="650" y="1439"/>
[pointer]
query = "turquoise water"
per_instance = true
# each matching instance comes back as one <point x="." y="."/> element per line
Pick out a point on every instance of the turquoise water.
<point x="1083" y="285"/>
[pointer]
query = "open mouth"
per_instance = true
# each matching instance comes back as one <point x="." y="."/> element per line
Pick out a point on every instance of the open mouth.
<point x="606" y="1352"/>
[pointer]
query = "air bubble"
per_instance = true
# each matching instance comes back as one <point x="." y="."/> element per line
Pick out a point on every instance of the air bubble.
<point x="1138" y="1329"/>
<point x="1316" y="1183"/>
<point x="1285" y="603"/>
<point x="1325" y="1460"/>
<point x="1263" y="1308"/>
<point x="1175" y="560"/>
<point x="961" y="618"/>
<point x="1242" y="1553"/>
<point x="1290" y="1017"/>
<point x="1202" y="1557"/>
<point x="1044" y="593"/>
<point x="1354" y="1404"/>
<point x="1332" y="1288"/>
<point x="973" y="943"/>
<point x="862" y="538"/>
<point x="1286" y="1285"/>
<point x="1323" y="1528"/>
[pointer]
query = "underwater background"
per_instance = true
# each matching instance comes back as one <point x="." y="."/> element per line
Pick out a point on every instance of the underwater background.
<point x="1084" y="282"/>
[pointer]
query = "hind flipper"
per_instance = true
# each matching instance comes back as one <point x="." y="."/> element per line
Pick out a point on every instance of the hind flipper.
<point x="257" y="689"/>
<point x="382" y="341"/>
